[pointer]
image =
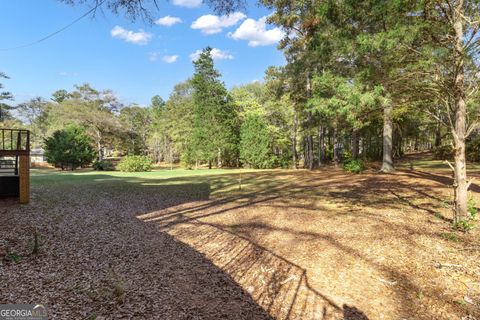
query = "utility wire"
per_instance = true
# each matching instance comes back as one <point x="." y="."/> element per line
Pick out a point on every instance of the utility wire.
<point x="56" y="32"/>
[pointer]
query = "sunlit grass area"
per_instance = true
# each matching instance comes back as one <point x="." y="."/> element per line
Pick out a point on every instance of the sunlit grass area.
<point x="434" y="164"/>
<point x="46" y="176"/>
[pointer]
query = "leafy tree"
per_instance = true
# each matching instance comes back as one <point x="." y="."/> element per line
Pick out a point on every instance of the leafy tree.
<point x="136" y="124"/>
<point x="171" y="127"/>
<point x="69" y="148"/>
<point x="450" y="66"/>
<point x="4" y="95"/>
<point x="256" y="99"/>
<point x="284" y="113"/>
<point x="95" y="110"/>
<point x="256" y="142"/>
<point x="341" y="103"/>
<point x="60" y="95"/>
<point x="422" y="54"/>
<point x="157" y="105"/>
<point x="215" y="124"/>
<point x="35" y="114"/>
<point x="157" y="139"/>
<point x="366" y="42"/>
<point x="145" y="9"/>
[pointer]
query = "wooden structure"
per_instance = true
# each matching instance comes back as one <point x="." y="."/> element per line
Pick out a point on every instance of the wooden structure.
<point x="15" y="164"/>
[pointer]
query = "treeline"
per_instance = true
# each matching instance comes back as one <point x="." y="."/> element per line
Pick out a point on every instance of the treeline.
<point x="405" y="71"/>
<point x="201" y="124"/>
<point x="259" y="125"/>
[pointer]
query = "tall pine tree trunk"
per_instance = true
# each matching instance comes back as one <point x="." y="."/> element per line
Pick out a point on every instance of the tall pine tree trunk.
<point x="355" y="144"/>
<point x="294" y="141"/>
<point x="219" y="158"/>
<point x="335" y="147"/>
<point x="459" y="132"/>
<point x="387" y="163"/>
<point x="309" y="152"/>
<point x="321" y="145"/>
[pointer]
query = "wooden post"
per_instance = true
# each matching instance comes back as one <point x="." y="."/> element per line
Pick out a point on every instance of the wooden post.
<point x="24" y="173"/>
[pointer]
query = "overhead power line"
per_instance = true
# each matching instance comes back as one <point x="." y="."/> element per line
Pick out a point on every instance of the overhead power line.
<point x="56" y="32"/>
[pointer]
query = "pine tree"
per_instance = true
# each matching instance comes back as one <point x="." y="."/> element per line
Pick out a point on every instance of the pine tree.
<point x="256" y="142"/>
<point x="215" y="123"/>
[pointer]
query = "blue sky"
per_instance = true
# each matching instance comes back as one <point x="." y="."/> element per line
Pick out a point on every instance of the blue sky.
<point x="136" y="60"/>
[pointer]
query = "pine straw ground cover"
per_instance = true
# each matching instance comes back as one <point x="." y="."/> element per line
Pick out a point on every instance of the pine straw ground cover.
<point x="286" y="245"/>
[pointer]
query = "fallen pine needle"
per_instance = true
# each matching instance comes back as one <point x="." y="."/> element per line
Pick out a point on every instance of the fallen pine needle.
<point x="390" y="283"/>
<point x="448" y="265"/>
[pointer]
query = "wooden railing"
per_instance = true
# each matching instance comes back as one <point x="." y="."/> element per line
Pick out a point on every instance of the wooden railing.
<point x="14" y="142"/>
<point x="9" y="166"/>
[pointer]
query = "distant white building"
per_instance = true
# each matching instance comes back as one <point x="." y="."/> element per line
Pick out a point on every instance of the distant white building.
<point x="37" y="158"/>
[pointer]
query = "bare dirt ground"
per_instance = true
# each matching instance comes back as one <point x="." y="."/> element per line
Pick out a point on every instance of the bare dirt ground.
<point x="288" y="245"/>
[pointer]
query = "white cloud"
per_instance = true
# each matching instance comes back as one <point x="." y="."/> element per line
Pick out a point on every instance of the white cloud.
<point x="217" y="54"/>
<point x="154" y="56"/>
<point x="141" y="37"/>
<point x="256" y="33"/>
<point x="188" y="3"/>
<point x="168" y="21"/>
<point x="170" y="59"/>
<point x="210" y="24"/>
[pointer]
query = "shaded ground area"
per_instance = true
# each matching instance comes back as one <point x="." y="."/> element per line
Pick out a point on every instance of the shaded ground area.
<point x="98" y="261"/>
<point x="280" y="244"/>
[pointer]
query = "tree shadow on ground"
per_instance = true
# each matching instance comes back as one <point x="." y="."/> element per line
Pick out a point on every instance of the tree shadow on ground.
<point x="442" y="179"/>
<point x="287" y="285"/>
<point x="285" y="294"/>
<point x="278" y="285"/>
<point x="107" y="263"/>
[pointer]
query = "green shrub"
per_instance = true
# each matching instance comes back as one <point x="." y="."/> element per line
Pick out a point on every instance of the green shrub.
<point x="285" y="160"/>
<point x="468" y="223"/>
<point x="464" y="225"/>
<point x="135" y="164"/>
<point x="69" y="148"/>
<point x="347" y="155"/>
<point x="353" y="166"/>
<point x="103" y="165"/>
<point x="443" y="152"/>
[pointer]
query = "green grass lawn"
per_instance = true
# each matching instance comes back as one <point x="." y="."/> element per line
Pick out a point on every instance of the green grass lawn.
<point x="217" y="178"/>
<point x="41" y="177"/>
<point x="434" y="164"/>
<point x="219" y="181"/>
